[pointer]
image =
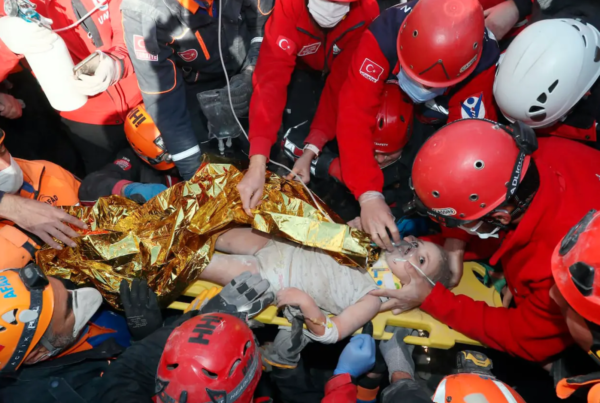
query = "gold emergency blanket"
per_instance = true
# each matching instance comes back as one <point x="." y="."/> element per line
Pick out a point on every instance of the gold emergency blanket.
<point x="170" y="239"/>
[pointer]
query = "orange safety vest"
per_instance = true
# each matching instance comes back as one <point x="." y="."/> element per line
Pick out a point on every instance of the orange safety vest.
<point x="45" y="182"/>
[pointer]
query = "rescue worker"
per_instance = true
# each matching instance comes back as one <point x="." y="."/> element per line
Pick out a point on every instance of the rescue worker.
<point x="96" y="129"/>
<point x="85" y="350"/>
<point x="473" y="380"/>
<point x="395" y="147"/>
<point x="139" y="172"/>
<point x="444" y="60"/>
<point x="554" y="92"/>
<point x="41" y="186"/>
<point x="53" y="338"/>
<point x="176" y="54"/>
<point x="482" y="177"/>
<point x="304" y="42"/>
<point x="575" y="265"/>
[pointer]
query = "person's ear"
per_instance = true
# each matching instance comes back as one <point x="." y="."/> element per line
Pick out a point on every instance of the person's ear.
<point x="503" y="216"/>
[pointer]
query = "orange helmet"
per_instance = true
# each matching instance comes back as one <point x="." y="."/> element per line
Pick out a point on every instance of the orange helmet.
<point x="25" y="313"/>
<point x="576" y="267"/>
<point x="144" y="137"/>
<point x="394" y="120"/>
<point x="465" y="388"/>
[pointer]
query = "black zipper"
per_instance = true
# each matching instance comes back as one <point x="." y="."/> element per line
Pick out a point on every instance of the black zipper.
<point x="360" y="24"/>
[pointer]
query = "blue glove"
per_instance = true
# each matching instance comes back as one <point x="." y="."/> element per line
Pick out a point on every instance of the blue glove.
<point x="358" y="357"/>
<point x="413" y="226"/>
<point x="142" y="192"/>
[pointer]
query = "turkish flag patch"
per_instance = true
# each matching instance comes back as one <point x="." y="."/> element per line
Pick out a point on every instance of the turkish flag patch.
<point x="371" y="70"/>
<point x="139" y="47"/>
<point x="310" y="49"/>
<point x="286" y="44"/>
<point x="188" y="55"/>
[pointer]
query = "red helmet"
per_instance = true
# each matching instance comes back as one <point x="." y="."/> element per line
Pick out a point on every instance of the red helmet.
<point x="462" y="388"/>
<point x="145" y="139"/>
<point x="209" y="358"/>
<point x="440" y="41"/>
<point x="574" y="264"/>
<point x="470" y="167"/>
<point x="394" y="120"/>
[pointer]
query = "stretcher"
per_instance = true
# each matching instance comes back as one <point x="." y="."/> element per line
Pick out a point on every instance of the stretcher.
<point x="439" y="335"/>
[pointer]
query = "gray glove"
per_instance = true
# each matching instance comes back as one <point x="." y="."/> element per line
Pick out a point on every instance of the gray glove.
<point x="241" y="92"/>
<point x="396" y="353"/>
<point x="245" y="297"/>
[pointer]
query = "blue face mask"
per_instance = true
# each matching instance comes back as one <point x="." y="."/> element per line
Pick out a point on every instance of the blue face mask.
<point x="416" y="91"/>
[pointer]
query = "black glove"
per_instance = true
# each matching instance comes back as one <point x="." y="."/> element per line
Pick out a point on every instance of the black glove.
<point x="245" y="297"/>
<point x="141" y="308"/>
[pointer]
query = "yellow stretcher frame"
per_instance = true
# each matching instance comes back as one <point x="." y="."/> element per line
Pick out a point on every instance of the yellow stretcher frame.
<point x="440" y="335"/>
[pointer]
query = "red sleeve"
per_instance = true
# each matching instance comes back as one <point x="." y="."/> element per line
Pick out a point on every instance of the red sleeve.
<point x="322" y="129"/>
<point x="9" y="61"/>
<point x="475" y="99"/>
<point x="535" y="330"/>
<point x="340" y="389"/>
<point x="571" y="132"/>
<point x="118" y="48"/>
<point x="276" y="62"/>
<point x="456" y="233"/>
<point x="360" y="98"/>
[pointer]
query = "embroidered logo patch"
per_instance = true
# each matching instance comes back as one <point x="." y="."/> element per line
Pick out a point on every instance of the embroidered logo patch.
<point x="310" y="49"/>
<point x="188" y="55"/>
<point x="123" y="164"/>
<point x="139" y="47"/>
<point x="473" y="107"/>
<point x="371" y="70"/>
<point x="286" y="45"/>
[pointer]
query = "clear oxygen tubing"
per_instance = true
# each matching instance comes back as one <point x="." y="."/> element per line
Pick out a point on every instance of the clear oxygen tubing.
<point x="242" y="128"/>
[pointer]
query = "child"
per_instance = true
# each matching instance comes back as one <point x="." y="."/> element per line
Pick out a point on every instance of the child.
<point x="312" y="281"/>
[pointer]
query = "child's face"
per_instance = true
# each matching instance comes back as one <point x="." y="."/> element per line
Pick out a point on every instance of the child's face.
<point x="427" y="256"/>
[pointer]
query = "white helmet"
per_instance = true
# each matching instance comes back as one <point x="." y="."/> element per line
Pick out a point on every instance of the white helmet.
<point x="546" y="70"/>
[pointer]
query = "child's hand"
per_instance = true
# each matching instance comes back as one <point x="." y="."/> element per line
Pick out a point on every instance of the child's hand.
<point x="292" y="296"/>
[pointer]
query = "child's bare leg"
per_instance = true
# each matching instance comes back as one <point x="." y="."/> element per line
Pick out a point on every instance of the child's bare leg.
<point x="224" y="268"/>
<point x="241" y="241"/>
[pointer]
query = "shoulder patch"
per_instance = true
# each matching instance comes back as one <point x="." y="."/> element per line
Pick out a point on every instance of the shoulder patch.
<point x="141" y="53"/>
<point x="371" y="70"/>
<point x="473" y="107"/>
<point x="286" y="44"/>
<point x="188" y="55"/>
<point x="310" y="49"/>
<point x="123" y="163"/>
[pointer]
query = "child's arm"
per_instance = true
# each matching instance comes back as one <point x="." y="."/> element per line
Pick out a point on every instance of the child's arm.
<point x="313" y="317"/>
<point x="355" y="316"/>
<point x="349" y="321"/>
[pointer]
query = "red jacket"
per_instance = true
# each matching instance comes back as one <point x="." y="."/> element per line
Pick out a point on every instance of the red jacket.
<point x="111" y="106"/>
<point x="340" y="389"/>
<point x="292" y="38"/>
<point x="376" y="61"/>
<point x="535" y="329"/>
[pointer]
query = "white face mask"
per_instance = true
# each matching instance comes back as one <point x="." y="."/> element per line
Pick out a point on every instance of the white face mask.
<point x="416" y="91"/>
<point x="482" y="235"/>
<point x="86" y="302"/>
<point x="327" y="13"/>
<point x="11" y="178"/>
